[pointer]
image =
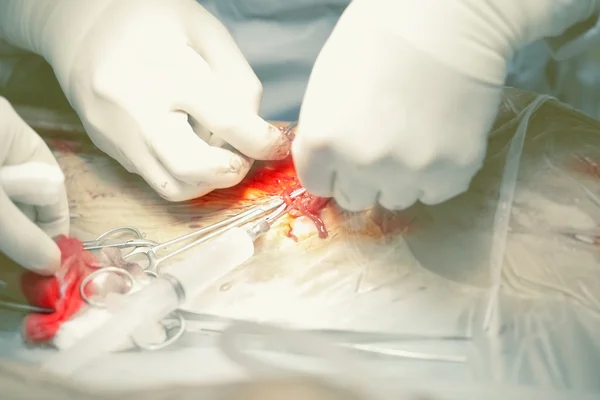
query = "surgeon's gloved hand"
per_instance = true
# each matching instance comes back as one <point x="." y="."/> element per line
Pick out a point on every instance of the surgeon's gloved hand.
<point x="404" y="93"/>
<point x="33" y="199"/>
<point x="135" y="69"/>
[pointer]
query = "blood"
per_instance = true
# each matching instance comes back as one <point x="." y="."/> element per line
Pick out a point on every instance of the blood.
<point x="587" y="166"/>
<point x="392" y="222"/>
<point x="264" y="179"/>
<point x="65" y="146"/>
<point x="59" y="292"/>
<point x="306" y="205"/>
<point x="270" y="179"/>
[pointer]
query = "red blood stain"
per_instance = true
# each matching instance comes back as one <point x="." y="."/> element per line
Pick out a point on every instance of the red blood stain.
<point x="391" y="222"/>
<point x="278" y="178"/>
<point x="59" y="292"/>
<point x="65" y="146"/>
<point x="587" y="166"/>
<point x="270" y="179"/>
<point x="307" y="205"/>
<point x="264" y="179"/>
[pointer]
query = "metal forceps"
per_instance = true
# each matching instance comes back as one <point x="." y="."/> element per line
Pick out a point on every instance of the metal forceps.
<point x="140" y="244"/>
<point x="104" y="240"/>
<point x="150" y="249"/>
<point x="268" y="212"/>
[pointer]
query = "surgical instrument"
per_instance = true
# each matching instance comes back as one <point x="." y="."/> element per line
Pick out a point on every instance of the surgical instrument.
<point x="207" y="233"/>
<point x="270" y="211"/>
<point x="150" y="249"/>
<point x="289" y="132"/>
<point x="138" y="240"/>
<point x="8" y="303"/>
<point x="182" y="282"/>
<point x="104" y="240"/>
<point x="374" y="343"/>
<point x="215" y="324"/>
<point x="24" y="307"/>
<point x="588" y="238"/>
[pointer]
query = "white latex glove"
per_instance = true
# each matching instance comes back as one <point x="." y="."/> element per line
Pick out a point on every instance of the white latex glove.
<point x="404" y="93"/>
<point x="33" y="200"/>
<point x="135" y="69"/>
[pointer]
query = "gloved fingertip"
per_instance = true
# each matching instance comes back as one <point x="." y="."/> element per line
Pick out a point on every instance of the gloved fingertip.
<point x="315" y="169"/>
<point x="432" y="198"/>
<point x="260" y="140"/>
<point x="49" y="266"/>
<point x="238" y="164"/>
<point x="395" y="200"/>
<point x="352" y="193"/>
<point x="435" y="198"/>
<point x="272" y="143"/>
<point x="321" y="186"/>
<point x="226" y="174"/>
<point x="399" y="205"/>
<point x="195" y="164"/>
<point x="49" y="256"/>
<point x="282" y="145"/>
<point x="55" y="223"/>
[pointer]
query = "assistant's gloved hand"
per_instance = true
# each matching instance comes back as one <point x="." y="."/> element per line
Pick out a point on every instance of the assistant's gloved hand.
<point x="33" y="200"/>
<point x="403" y="95"/>
<point x="135" y="69"/>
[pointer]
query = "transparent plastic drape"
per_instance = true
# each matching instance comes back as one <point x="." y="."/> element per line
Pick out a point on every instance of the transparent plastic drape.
<point x="499" y="287"/>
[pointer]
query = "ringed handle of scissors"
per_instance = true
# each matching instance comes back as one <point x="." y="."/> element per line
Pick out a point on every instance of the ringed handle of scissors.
<point x="108" y="270"/>
<point x="181" y="328"/>
<point x="98" y="243"/>
<point x="137" y="243"/>
<point x="181" y="322"/>
<point x="120" y="229"/>
<point x="105" y="270"/>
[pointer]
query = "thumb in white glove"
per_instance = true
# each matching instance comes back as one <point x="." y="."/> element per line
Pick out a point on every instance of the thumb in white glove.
<point x="403" y="95"/>
<point x="134" y="70"/>
<point x="31" y="185"/>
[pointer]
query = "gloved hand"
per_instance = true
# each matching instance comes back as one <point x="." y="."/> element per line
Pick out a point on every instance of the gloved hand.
<point x="403" y="95"/>
<point x="134" y="69"/>
<point x="33" y="199"/>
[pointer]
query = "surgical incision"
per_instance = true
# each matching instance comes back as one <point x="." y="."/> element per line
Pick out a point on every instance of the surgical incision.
<point x="278" y="178"/>
<point x="309" y="206"/>
<point x="270" y="179"/>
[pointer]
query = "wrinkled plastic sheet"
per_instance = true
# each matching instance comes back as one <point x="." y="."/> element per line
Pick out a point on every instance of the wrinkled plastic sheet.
<point x="489" y="267"/>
